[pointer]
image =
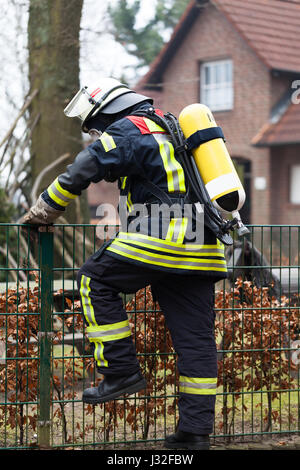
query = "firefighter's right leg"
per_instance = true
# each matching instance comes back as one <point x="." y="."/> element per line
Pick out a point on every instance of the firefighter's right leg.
<point x="100" y="281"/>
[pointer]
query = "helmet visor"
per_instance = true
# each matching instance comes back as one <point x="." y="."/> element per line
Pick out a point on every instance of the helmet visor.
<point x="80" y="105"/>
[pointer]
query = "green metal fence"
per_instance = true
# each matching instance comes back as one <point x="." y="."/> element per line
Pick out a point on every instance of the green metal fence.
<point x="46" y="363"/>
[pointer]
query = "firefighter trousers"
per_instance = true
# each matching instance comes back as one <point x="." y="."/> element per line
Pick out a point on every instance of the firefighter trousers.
<point x="187" y="304"/>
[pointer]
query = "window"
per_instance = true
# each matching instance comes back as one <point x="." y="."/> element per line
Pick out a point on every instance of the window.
<point x="217" y="85"/>
<point x="295" y="184"/>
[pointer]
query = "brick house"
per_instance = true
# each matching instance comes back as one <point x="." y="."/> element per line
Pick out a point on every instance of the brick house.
<point x="242" y="59"/>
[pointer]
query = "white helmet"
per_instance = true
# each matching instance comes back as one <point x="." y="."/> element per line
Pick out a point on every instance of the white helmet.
<point x="109" y="97"/>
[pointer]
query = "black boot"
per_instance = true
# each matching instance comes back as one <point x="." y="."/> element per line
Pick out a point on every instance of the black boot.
<point x="187" y="440"/>
<point x="112" y="387"/>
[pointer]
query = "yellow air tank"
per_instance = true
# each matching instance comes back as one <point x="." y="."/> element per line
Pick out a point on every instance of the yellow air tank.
<point x="213" y="161"/>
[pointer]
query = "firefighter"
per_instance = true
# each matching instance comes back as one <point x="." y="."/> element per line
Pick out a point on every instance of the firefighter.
<point x="137" y="152"/>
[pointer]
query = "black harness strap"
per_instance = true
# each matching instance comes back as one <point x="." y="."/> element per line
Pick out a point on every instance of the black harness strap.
<point x="155" y="190"/>
<point x="213" y="219"/>
<point x="205" y="135"/>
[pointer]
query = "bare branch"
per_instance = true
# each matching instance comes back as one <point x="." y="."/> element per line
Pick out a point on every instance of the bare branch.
<point x="27" y="103"/>
<point x="18" y="170"/>
<point x="33" y="195"/>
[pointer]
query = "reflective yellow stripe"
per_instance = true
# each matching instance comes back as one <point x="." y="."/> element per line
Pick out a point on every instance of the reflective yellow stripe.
<point x="198" y="386"/>
<point x="55" y="198"/>
<point x="179" y="169"/>
<point x="89" y="315"/>
<point x="99" y="354"/>
<point x="177" y="229"/>
<point x="107" y="142"/>
<point x="167" y="166"/>
<point x="182" y="230"/>
<point x="129" y="202"/>
<point x="88" y="308"/>
<point x="171" y="229"/>
<point x="63" y="191"/>
<point x="173" y="169"/>
<point x="169" y="246"/>
<point x="196" y="391"/>
<point x="111" y="332"/>
<point x="152" y="126"/>
<point x="165" y="260"/>
<point x="61" y="196"/>
<point x="220" y="244"/>
<point x="123" y="182"/>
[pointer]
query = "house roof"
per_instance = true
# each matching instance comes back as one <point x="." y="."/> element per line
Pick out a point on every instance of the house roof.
<point x="270" y="27"/>
<point x="285" y="130"/>
<point x="158" y="66"/>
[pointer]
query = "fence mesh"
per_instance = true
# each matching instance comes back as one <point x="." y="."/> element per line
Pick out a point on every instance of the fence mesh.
<point x="46" y="363"/>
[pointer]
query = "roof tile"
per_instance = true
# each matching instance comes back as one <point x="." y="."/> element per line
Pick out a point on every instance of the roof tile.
<point x="285" y="131"/>
<point x="271" y="27"/>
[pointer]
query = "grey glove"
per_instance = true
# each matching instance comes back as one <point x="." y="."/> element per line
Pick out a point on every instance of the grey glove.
<point x="41" y="214"/>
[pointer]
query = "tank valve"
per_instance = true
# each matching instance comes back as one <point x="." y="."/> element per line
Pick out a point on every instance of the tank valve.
<point x="241" y="229"/>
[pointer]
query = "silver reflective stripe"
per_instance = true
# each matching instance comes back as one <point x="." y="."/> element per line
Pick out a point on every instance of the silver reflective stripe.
<point x="165" y="260"/>
<point x="197" y="385"/>
<point x="88" y="309"/>
<point x="98" y="355"/>
<point x="102" y="334"/>
<point x="174" y="229"/>
<point x="59" y="194"/>
<point x="172" y="167"/>
<point x="179" y="230"/>
<point x="127" y="237"/>
<point x="107" y="142"/>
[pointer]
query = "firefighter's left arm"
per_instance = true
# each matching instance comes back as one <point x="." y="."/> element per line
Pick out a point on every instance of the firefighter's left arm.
<point x="107" y="159"/>
<point x="64" y="189"/>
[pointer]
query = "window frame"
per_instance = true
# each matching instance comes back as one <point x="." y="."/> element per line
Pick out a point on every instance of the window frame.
<point x="215" y="85"/>
<point x="293" y="182"/>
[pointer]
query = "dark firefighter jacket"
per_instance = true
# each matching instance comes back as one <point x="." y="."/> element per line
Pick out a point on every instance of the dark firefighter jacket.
<point x="135" y="151"/>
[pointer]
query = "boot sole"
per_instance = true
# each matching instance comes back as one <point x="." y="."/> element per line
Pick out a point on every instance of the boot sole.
<point x="185" y="445"/>
<point x="137" y="387"/>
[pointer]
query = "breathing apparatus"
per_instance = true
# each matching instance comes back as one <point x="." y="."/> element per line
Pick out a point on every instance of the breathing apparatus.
<point x="213" y="180"/>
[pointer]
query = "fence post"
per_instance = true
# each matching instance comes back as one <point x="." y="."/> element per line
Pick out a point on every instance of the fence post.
<point x="46" y="273"/>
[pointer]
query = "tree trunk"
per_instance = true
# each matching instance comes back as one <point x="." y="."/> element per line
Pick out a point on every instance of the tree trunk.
<point x="53" y="42"/>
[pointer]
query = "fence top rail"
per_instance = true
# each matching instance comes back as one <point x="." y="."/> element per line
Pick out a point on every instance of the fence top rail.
<point x="17" y="224"/>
